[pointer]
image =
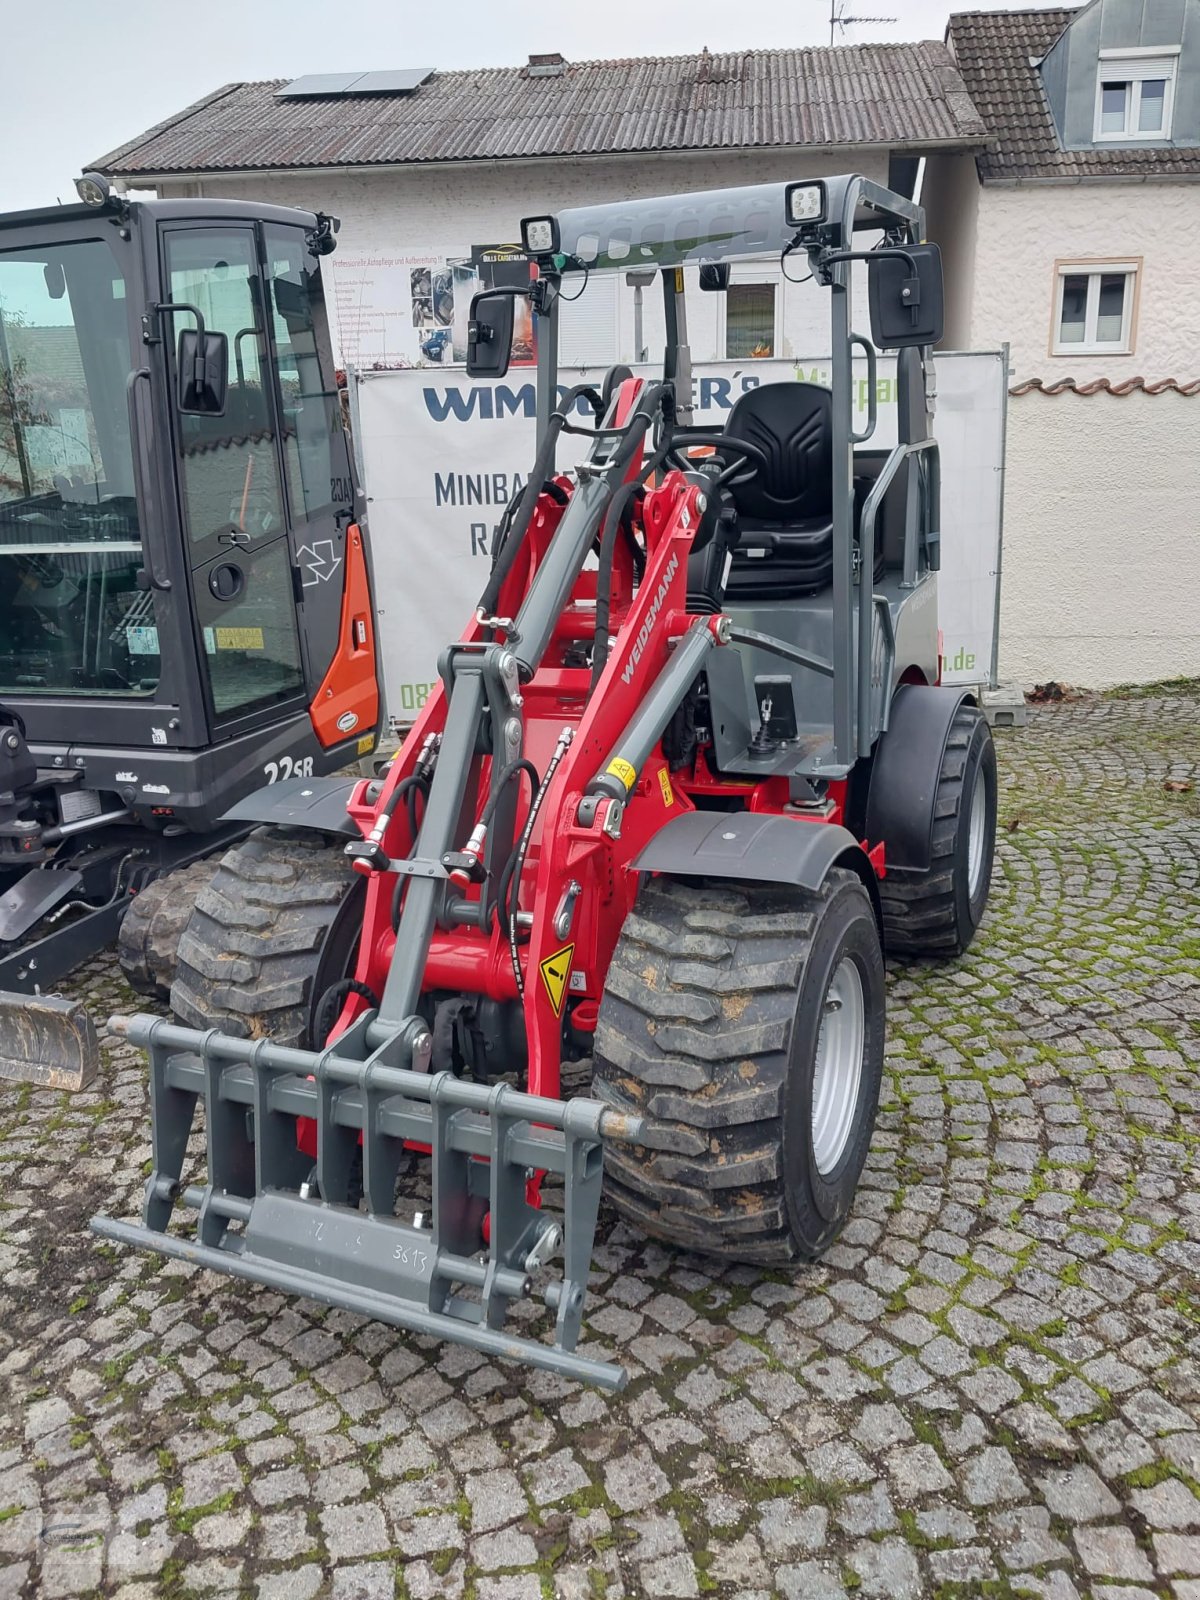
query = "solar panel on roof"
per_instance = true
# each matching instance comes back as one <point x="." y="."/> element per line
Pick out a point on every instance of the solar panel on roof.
<point x="318" y="83"/>
<point x="332" y="85"/>
<point x="402" y="81"/>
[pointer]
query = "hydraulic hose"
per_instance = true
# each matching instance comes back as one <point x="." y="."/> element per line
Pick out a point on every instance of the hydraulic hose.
<point x="329" y="1007"/>
<point x="506" y="776"/>
<point x="550" y="487"/>
<point x="517" y="861"/>
<point x="407" y="790"/>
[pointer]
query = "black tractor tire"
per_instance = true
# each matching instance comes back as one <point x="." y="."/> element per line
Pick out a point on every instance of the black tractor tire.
<point x="148" y="940"/>
<point x="713" y="1012"/>
<point x="276" y="926"/>
<point x="937" y="913"/>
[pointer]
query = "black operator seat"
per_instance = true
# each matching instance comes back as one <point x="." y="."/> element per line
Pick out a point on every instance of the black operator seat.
<point x="785" y="512"/>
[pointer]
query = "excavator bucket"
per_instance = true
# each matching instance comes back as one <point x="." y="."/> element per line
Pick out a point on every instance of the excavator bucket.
<point x="479" y="1246"/>
<point x="47" y="1041"/>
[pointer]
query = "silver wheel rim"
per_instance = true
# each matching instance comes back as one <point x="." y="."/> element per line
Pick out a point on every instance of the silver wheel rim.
<point x="837" y="1073"/>
<point x="976" y="834"/>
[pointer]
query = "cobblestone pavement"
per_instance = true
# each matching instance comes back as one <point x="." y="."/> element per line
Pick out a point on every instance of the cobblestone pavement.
<point x="991" y="1387"/>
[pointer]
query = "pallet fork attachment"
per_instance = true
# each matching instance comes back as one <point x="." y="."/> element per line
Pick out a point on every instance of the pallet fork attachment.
<point x="262" y="1217"/>
<point x="47" y="1041"/>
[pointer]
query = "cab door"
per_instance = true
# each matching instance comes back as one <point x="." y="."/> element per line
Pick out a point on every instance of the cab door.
<point x="318" y="484"/>
<point x="233" y="504"/>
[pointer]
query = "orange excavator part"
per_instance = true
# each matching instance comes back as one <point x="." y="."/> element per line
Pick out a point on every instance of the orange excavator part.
<point x="348" y="699"/>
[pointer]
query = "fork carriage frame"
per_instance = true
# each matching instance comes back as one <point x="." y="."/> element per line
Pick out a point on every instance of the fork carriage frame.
<point x="484" y="1142"/>
<point x="551" y="879"/>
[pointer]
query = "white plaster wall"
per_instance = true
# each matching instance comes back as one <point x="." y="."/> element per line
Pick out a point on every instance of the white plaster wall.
<point x="1022" y="231"/>
<point x="443" y="210"/>
<point x="1101" y="564"/>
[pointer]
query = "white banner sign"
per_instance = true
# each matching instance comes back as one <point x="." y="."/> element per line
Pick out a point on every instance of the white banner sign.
<point x="442" y="454"/>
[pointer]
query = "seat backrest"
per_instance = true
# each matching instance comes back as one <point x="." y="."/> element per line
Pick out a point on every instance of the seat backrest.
<point x="792" y="424"/>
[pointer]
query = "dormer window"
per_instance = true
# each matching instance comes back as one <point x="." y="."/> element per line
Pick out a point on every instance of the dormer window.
<point x="1135" y="94"/>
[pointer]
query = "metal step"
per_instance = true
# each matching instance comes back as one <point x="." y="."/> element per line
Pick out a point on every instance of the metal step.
<point x="809" y="754"/>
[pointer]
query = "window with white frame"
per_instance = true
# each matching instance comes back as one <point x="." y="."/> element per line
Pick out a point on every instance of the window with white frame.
<point x="1135" y="95"/>
<point x="1094" y="308"/>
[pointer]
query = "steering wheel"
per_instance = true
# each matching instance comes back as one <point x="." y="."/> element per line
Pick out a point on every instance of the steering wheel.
<point x="748" y="460"/>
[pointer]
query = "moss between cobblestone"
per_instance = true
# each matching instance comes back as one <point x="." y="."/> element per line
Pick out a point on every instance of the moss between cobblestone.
<point x="183" y="1521"/>
<point x="1182" y="688"/>
<point x="985" y="1589"/>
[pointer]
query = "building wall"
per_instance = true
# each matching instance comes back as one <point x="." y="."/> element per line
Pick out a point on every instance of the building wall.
<point x="1021" y="231"/>
<point x="442" y="212"/>
<point x="1101" y="564"/>
<point x="1101" y="559"/>
<point x="950" y="194"/>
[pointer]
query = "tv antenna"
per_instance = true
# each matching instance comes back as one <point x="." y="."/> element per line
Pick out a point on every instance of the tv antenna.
<point x="839" y="19"/>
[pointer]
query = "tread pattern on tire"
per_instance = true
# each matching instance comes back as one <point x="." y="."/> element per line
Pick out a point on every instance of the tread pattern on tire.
<point x="693" y="1035"/>
<point x="248" y="960"/>
<point x="152" y="927"/>
<point x="919" y="915"/>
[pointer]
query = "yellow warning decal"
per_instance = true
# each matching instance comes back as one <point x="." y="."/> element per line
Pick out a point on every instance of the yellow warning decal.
<point x="555" y="971"/>
<point x="240" y="639"/>
<point x="664" y="783"/>
<point x="366" y="744"/>
<point x="678" y="280"/>
<point x="624" y="770"/>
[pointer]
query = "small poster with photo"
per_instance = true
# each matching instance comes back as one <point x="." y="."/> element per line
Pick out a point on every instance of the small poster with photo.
<point x="432" y="290"/>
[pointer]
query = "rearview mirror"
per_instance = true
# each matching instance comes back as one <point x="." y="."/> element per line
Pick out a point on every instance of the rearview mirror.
<point x="714" y="276"/>
<point x="489" y="334"/>
<point x="906" y="307"/>
<point x="203" y="372"/>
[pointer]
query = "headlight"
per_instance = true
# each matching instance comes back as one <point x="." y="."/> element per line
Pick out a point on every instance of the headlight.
<point x="540" y="236"/>
<point x="805" y="202"/>
<point x="92" y="188"/>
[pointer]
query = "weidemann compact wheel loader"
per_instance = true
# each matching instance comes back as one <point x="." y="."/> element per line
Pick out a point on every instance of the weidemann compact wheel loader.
<point x="686" y="773"/>
<point x="186" y="626"/>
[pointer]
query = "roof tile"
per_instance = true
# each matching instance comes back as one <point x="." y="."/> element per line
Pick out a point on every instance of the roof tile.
<point x="992" y="50"/>
<point x="886" y="94"/>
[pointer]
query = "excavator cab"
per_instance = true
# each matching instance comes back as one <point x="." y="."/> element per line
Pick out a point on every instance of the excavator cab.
<point x="185" y="607"/>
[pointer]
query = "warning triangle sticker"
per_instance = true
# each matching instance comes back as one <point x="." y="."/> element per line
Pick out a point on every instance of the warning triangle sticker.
<point x="555" y="970"/>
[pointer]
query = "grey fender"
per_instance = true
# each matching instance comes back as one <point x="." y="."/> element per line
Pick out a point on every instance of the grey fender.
<point x="318" y="804"/>
<point x="904" y="773"/>
<point x="756" y="847"/>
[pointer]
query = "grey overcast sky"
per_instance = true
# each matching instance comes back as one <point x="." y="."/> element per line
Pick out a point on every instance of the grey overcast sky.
<point x="81" y="77"/>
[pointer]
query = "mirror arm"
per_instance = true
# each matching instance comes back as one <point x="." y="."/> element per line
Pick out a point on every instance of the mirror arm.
<point x="912" y="289"/>
<point x="171" y="308"/>
<point x="830" y="256"/>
